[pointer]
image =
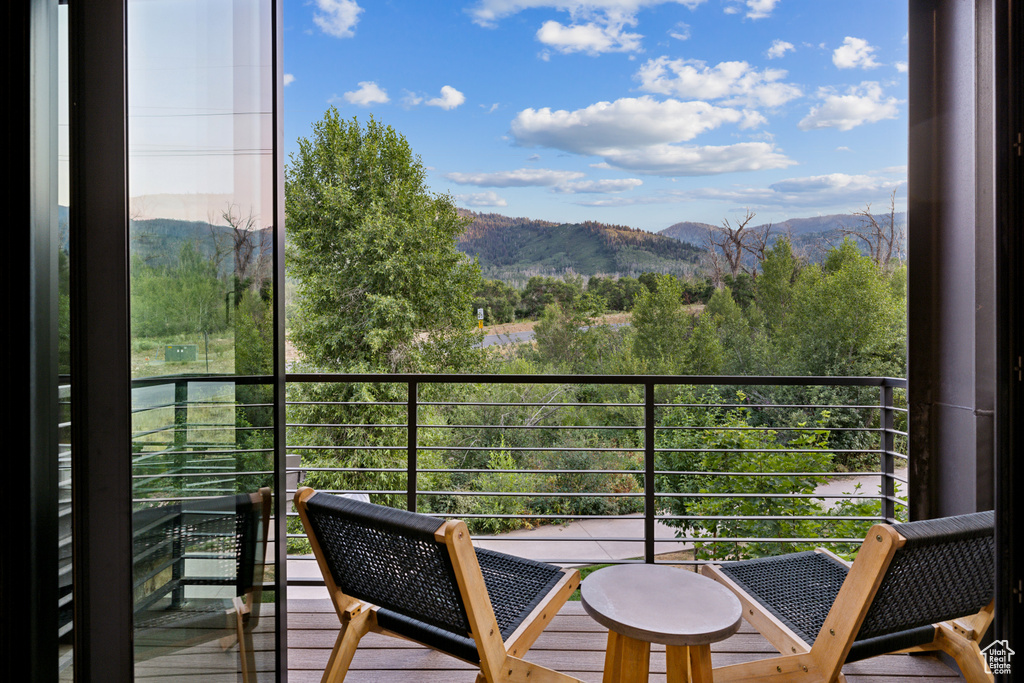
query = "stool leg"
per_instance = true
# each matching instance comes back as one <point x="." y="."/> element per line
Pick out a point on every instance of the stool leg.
<point x="700" y="664"/>
<point x="677" y="663"/>
<point x="627" y="660"/>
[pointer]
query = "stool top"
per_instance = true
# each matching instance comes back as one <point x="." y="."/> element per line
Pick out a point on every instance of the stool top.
<point x="661" y="604"/>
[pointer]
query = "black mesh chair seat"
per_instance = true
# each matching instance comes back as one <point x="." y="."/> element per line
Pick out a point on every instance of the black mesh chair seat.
<point x="939" y="570"/>
<point x="412" y="573"/>
<point x="799" y="590"/>
<point x="515" y="586"/>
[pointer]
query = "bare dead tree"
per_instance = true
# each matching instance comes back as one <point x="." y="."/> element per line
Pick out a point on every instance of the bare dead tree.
<point x="250" y="246"/>
<point x="730" y="243"/>
<point x="714" y="262"/>
<point x="884" y="239"/>
<point x="757" y="246"/>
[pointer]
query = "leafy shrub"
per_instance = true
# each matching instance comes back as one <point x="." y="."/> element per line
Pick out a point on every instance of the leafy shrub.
<point x="747" y="484"/>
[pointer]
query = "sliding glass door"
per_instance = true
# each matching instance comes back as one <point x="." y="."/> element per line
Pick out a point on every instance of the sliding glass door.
<point x="201" y="181"/>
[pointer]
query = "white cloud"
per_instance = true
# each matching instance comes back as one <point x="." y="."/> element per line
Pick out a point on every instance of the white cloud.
<point x="592" y="38"/>
<point x="732" y="82"/>
<point x="678" y="160"/>
<point x="834" y="192"/>
<point x="843" y="148"/>
<point x="752" y="119"/>
<point x="637" y="134"/>
<point x="596" y="26"/>
<point x="449" y="99"/>
<point x="756" y="9"/>
<point x="854" y="53"/>
<point x="337" y="18"/>
<point x="289" y="79"/>
<point x="523" y="177"/>
<point x="861" y="104"/>
<point x="902" y="67"/>
<point x="778" y="49"/>
<point x="600" y="186"/>
<point x="488" y="12"/>
<point x="681" y="31"/>
<point x="627" y="122"/>
<point x="411" y="99"/>
<point x="759" y="9"/>
<point x="489" y="198"/>
<point x="367" y="94"/>
<point x="831" y="181"/>
<point x="559" y="181"/>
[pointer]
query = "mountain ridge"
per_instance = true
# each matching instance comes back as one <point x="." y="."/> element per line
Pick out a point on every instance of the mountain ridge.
<point x="511" y="249"/>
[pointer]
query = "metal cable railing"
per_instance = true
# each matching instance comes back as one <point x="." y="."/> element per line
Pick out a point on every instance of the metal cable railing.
<point x="610" y="448"/>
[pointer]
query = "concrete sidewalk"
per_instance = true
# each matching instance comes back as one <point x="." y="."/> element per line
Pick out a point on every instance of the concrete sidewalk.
<point x="585" y="541"/>
<point x="870" y="485"/>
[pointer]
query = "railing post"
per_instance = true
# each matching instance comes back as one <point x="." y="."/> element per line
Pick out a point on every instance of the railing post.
<point x="180" y="431"/>
<point x="886" y="425"/>
<point x="649" y="500"/>
<point x="411" y="422"/>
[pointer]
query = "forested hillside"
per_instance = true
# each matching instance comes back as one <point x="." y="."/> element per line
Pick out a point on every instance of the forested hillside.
<point x="513" y="249"/>
<point x="157" y="241"/>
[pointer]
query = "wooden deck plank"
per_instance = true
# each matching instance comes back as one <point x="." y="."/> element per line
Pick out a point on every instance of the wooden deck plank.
<point x="573" y="643"/>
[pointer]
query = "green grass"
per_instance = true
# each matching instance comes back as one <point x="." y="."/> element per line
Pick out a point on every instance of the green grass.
<point x="584" y="573"/>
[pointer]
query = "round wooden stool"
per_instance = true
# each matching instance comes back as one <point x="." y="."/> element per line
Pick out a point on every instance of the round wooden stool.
<point x="645" y="603"/>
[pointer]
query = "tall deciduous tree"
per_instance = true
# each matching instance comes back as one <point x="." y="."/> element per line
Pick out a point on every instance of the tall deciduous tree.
<point x="662" y="325"/>
<point x="381" y="284"/>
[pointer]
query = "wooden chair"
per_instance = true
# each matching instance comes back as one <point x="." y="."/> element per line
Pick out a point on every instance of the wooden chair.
<point x="922" y="586"/>
<point x="419" y="577"/>
<point x="199" y="574"/>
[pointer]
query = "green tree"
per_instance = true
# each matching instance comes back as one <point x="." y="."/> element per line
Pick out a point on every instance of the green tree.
<point x="498" y="300"/>
<point x="711" y="452"/>
<point x="184" y="298"/>
<point x="774" y="286"/>
<point x="542" y="290"/>
<point x="740" y="332"/>
<point x="568" y="338"/>
<point x="845" y="317"/>
<point x="628" y="290"/>
<point x="662" y="324"/>
<point x="381" y="283"/>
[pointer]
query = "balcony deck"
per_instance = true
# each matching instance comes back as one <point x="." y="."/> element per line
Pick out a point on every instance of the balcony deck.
<point x="573" y="643"/>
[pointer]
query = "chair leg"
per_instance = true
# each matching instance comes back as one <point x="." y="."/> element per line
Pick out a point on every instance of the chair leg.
<point x="345" y="647"/>
<point x="245" y="647"/>
<point x="786" y="668"/>
<point x="248" y="657"/>
<point x="517" y="670"/>
<point x="965" y="652"/>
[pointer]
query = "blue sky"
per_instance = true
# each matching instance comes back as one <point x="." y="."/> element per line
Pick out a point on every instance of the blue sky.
<point x="637" y="112"/>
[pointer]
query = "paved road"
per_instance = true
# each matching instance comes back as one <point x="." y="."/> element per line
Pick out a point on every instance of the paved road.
<point x="510" y="338"/>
